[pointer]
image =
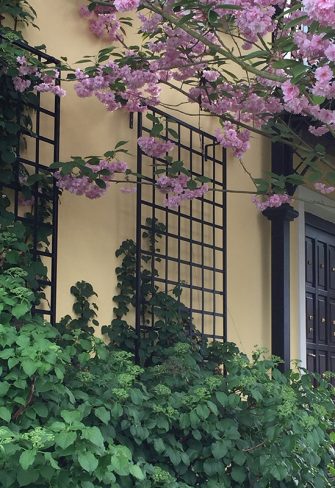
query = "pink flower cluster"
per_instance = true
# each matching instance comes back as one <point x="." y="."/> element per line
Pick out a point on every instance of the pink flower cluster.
<point x="126" y="5"/>
<point x="140" y="87"/>
<point x="210" y="75"/>
<point x="232" y="137"/>
<point x="151" y="23"/>
<point x="177" y="55"/>
<point x="322" y="11"/>
<point x="313" y="47"/>
<point x="31" y="76"/>
<point x="103" y="22"/>
<point x="84" y="185"/>
<point x="269" y="201"/>
<point x="177" y="191"/>
<point x="255" y="19"/>
<point x="154" y="147"/>
<point x="323" y="188"/>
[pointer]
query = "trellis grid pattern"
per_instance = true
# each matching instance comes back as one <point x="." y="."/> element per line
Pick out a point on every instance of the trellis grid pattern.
<point x="37" y="148"/>
<point x="192" y="250"/>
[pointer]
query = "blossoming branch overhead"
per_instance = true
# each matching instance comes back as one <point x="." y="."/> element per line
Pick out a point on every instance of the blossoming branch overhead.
<point x="257" y="66"/>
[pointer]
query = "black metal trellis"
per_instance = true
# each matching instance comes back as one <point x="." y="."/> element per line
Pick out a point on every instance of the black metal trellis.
<point x="37" y="149"/>
<point x="192" y="251"/>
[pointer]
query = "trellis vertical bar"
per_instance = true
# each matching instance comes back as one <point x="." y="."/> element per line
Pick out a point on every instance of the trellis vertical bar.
<point x="214" y="241"/>
<point x="179" y="219"/>
<point x="36" y="169"/>
<point x="191" y="223"/>
<point x="138" y="296"/>
<point x="55" y="210"/>
<point x="202" y="239"/>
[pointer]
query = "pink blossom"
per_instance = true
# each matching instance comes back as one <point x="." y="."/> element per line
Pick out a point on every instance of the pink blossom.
<point x="290" y="91"/>
<point x="330" y="52"/>
<point x="20" y="84"/>
<point x="324" y="74"/>
<point x="271" y="201"/>
<point x="322" y="11"/>
<point x="318" y="131"/>
<point x="84" y="185"/>
<point x="210" y="75"/>
<point x="149" y="24"/>
<point x="323" y="188"/>
<point x="125" y="5"/>
<point x="176" y="189"/>
<point x="231" y="137"/>
<point x="155" y="147"/>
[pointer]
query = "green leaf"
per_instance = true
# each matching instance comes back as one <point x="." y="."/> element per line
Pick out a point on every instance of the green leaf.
<point x="88" y="461"/>
<point x="5" y="414"/>
<point x="120" y="143"/>
<point x="51" y="460"/>
<point x="221" y="398"/>
<point x="27" y="458"/>
<point x="103" y="414"/>
<point x="212" y="16"/>
<point x="137" y="472"/>
<point x="100" y="183"/>
<point x="159" y="445"/>
<point x="6" y="353"/>
<point x="93" y="434"/>
<point x="238" y="474"/>
<point x="28" y="477"/>
<point x="156" y="130"/>
<point x="219" y="449"/>
<point x="20" y="309"/>
<point x="87" y="484"/>
<point x="29" y="366"/>
<point x="65" y="439"/>
<point x="4" y="387"/>
<point x="71" y="416"/>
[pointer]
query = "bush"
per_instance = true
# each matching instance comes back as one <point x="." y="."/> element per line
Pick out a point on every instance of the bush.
<point x="78" y="413"/>
<point x="101" y="421"/>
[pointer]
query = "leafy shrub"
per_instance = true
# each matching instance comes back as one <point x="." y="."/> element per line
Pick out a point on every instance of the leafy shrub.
<point x="78" y="413"/>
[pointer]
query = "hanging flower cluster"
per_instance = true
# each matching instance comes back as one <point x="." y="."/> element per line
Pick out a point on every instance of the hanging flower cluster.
<point x="323" y="188"/>
<point x="31" y="77"/>
<point x="94" y="184"/>
<point x="120" y="86"/>
<point x="232" y="137"/>
<point x="103" y="22"/>
<point x="263" y="202"/>
<point x="177" y="190"/>
<point x="154" y="147"/>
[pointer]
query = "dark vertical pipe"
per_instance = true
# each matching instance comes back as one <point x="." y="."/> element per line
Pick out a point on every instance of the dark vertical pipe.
<point x="282" y="163"/>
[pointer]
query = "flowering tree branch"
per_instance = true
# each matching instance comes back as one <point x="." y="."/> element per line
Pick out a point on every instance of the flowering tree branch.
<point x="264" y="67"/>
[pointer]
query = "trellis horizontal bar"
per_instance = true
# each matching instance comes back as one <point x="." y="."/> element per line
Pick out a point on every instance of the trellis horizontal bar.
<point x="182" y="261"/>
<point x="184" y="216"/>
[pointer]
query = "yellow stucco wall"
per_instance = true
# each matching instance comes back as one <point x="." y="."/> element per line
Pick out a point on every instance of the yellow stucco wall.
<point x="90" y="231"/>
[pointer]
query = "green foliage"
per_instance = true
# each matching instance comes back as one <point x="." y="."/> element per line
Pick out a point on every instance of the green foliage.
<point x="84" y="310"/>
<point x="165" y="314"/>
<point x="75" y="412"/>
<point x="19" y="11"/>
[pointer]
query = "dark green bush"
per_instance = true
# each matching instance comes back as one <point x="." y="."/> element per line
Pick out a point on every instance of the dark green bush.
<point x="77" y="413"/>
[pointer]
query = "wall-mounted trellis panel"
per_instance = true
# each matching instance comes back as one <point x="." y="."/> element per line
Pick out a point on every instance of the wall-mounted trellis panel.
<point x="38" y="147"/>
<point x="192" y="249"/>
